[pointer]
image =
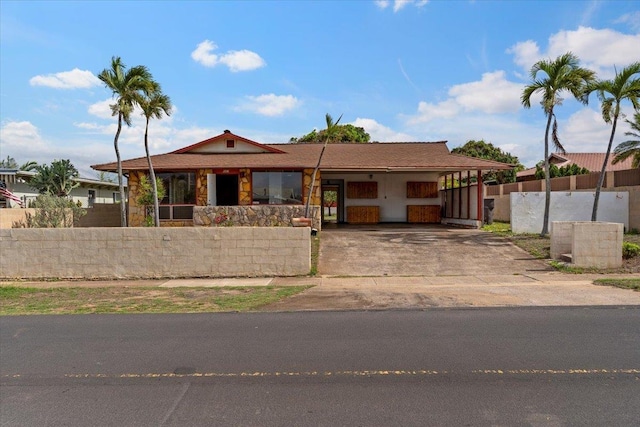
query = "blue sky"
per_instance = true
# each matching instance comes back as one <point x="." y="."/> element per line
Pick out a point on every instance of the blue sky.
<point x="403" y="70"/>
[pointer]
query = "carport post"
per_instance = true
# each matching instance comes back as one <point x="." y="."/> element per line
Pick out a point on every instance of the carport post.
<point x="480" y="194"/>
<point x="468" y="194"/>
<point x="460" y="193"/>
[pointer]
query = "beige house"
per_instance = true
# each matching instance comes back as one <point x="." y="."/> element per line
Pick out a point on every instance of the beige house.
<point x="229" y="179"/>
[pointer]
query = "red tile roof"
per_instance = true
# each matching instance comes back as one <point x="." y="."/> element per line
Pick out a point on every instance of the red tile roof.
<point x="433" y="156"/>
<point x="591" y="161"/>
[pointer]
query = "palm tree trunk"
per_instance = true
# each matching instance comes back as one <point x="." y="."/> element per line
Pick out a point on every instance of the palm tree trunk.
<point x="547" y="178"/>
<point x="313" y="179"/>
<point x="123" y="204"/>
<point x="152" y="177"/>
<point x="603" y="171"/>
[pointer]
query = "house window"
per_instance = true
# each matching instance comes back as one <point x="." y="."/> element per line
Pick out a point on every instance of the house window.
<point x="231" y="143"/>
<point x="277" y="188"/>
<point x="116" y="197"/>
<point x="91" y="198"/>
<point x="180" y="195"/>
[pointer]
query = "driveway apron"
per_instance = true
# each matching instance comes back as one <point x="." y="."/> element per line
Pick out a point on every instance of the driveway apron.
<point x="405" y="250"/>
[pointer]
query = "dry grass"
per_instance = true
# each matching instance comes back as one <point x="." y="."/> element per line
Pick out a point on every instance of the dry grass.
<point x="20" y="300"/>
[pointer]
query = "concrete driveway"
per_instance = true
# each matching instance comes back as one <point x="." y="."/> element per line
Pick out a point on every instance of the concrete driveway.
<point x="425" y="250"/>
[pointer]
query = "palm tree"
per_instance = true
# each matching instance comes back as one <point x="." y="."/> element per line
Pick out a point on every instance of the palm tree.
<point x="624" y="86"/>
<point x="632" y="147"/>
<point x="29" y="166"/>
<point x="128" y="87"/>
<point x="562" y="74"/>
<point x="153" y="106"/>
<point x="328" y="136"/>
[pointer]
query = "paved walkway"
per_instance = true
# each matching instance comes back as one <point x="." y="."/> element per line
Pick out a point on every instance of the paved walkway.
<point x="401" y="292"/>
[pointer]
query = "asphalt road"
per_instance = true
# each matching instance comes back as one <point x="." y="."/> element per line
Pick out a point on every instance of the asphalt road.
<point x="480" y="367"/>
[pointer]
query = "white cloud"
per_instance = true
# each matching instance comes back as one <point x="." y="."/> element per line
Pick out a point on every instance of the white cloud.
<point x="270" y="104"/>
<point x="380" y="132"/>
<point x="632" y="18"/>
<point x="400" y="4"/>
<point x="236" y="60"/>
<point x="492" y="95"/>
<point x="586" y="131"/>
<point x="599" y="50"/>
<point x="160" y="131"/>
<point x="74" y="79"/>
<point x="23" y="141"/>
<point x="102" y="109"/>
<point x="20" y="134"/>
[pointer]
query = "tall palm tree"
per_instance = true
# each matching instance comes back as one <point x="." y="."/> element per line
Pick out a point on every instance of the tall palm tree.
<point x="153" y="107"/>
<point x="626" y="149"/>
<point x="329" y="135"/>
<point x="127" y="87"/>
<point x="624" y="86"/>
<point x="560" y="75"/>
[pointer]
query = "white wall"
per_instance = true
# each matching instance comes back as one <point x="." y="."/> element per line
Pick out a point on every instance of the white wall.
<point x="527" y="209"/>
<point x="392" y="192"/>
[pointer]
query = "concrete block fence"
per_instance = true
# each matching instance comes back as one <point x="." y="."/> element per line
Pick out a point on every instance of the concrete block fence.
<point x="591" y="244"/>
<point x="111" y="253"/>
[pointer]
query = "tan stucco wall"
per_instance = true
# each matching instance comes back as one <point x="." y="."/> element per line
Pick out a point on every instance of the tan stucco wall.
<point x="11" y="215"/>
<point x="154" y="252"/>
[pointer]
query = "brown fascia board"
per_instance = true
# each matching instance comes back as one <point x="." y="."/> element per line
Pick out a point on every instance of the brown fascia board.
<point x="491" y="164"/>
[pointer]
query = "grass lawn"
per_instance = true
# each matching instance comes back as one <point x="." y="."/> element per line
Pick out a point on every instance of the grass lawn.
<point x="620" y="283"/>
<point x="16" y="300"/>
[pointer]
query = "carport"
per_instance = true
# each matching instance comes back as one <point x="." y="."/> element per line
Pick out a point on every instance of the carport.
<point x="419" y="250"/>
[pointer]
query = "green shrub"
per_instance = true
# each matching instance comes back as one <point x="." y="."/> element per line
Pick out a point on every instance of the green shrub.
<point x="630" y="250"/>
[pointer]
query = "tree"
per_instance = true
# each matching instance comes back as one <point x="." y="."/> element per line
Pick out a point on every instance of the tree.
<point x="625" y="86"/>
<point x="29" y="166"/>
<point x="128" y="87"/>
<point x="343" y="133"/>
<point x="55" y="180"/>
<point x="52" y="212"/>
<point x="153" y="106"/>
<point x="560" y="75"/>
<point x="329" y="197"/>
<point x="632" y="147"/>
<point x="329" y="135"/>
<point x="105" y="176"/>
<point x="149" y="195"/>
<point x="556" y="171"/>
<point x="485" y="150"/>
<point x="8" y="163"/>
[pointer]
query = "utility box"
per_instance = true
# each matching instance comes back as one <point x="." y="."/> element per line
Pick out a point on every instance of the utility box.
<point x="489" y="206"/>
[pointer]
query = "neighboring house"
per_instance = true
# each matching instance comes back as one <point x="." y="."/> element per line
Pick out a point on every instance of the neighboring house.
<point x="590" y="161"/>
<point x="89" y="191"/>
<point x="249" y="183"/>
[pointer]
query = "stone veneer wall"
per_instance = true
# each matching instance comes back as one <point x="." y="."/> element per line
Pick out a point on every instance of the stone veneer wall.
<point x="154" y="252"/>
<point x="136" y="212"/>
<point x="252" y="216"/>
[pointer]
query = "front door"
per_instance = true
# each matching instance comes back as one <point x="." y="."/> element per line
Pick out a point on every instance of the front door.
<point x="332" y="201"/>
<point x="226" y="190"/>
